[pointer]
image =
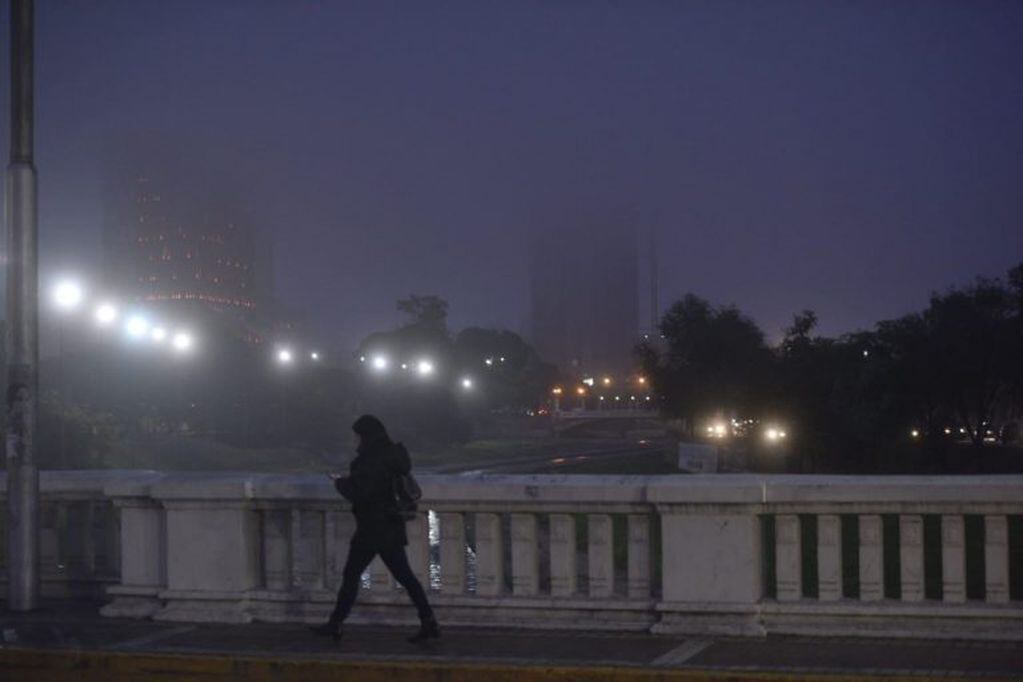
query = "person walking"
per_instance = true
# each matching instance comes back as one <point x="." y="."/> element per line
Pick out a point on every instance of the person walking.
<point x="379" y="527"/>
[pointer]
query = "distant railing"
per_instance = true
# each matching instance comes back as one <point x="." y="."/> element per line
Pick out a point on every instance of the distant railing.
<point x="726" y="554"/>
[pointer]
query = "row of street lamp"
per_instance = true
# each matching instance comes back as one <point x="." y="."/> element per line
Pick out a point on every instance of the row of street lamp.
<point x="69" y="296"/>
<point x="424" y="367"/>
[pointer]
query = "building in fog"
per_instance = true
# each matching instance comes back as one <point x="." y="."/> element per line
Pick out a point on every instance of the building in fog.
<point x="163" y="245"/>
<point x="584" y="294"/>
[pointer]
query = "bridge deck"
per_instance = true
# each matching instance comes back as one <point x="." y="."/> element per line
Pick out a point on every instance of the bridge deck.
<point x="62" y="643"/>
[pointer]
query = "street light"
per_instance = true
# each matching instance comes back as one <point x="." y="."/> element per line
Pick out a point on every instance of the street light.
<point x="67" y="294"/>
<point x="467" y="383"/>
<point x="284" y="356"/>
<point x="105" y="314"/>
<point x="425" y="368"/>
<point x="136" y="326"/>
<point x="314" y="356"/>
<point x="379" y="363"/>
<point x="182" y="342"/>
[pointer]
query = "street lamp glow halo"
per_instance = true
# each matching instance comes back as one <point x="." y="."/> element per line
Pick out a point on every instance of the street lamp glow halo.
<point x="105" y="313"/>
<point x="67" y="294"/>
<point x="182" y="341"/>
<point x="136" y="326"/>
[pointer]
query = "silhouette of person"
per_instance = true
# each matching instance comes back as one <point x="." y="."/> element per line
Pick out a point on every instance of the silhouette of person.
<point x="379" y="529"/>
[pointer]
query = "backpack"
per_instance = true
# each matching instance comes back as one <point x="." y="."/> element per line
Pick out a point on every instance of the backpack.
<point x="407" y="494"/>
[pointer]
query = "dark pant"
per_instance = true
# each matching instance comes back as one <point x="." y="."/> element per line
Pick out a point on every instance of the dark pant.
<point x="359" y="556"/>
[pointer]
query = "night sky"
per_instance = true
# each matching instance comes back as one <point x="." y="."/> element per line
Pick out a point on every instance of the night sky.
<point x="849" y="157"/>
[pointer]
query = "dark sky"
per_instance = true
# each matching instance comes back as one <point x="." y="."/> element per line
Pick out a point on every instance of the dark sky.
<point x="849" y="157"/>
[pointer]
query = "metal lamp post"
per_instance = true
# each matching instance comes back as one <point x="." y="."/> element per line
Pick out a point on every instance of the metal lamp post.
<point x="22" y="325"/>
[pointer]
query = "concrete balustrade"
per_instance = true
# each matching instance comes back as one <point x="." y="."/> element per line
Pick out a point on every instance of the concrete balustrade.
<point x="734" y="554"/>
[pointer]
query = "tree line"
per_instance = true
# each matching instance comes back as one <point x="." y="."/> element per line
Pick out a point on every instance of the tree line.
<point x="906" y="395"/>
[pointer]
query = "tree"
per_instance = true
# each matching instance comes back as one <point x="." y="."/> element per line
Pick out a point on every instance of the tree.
<point x="507" y="370"/>
<point x="716" y="361"/>
<point x="426" y="311"/>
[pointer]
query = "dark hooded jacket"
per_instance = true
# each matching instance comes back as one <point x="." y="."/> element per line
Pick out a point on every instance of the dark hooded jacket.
<point x="370" y="488"/>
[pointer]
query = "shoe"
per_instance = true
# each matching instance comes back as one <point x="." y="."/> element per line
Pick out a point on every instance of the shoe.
<point x="427" y="630"/>
<point x="328" y="629"/>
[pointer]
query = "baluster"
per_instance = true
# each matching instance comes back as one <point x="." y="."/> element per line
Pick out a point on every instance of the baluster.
<point x="911" y="556"/>
<point x="50" y="553"/>
<point x="639" y="556"/>
<point x="490" y="555"/>
<point x="306" y="548"/>
<point x="419" y="548"/>
<point x="563" y="555"/>
<point x="89" y="519"/>
<point x="525" y="567"/>
<point x="601" y="555"/>
<point x="343" y="529"/>
<point x="829" y="557"/>
<point x="330" y="551"/>
<point x="953" y="559"/>
<point x="452" y="553"/>
<point x="996" y="559"/>
<point x="277" y="549"/>
<point x="788" y="557"/>
<point x="871" y="558"/>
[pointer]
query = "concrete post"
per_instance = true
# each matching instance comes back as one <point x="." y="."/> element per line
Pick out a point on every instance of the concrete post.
<point x="638" y="575"/>
<point x="22" y="336"/>
<point x="489" y="555"/>
<point x="871" y="558"/>
<point x="953" y="559"/>
<point x="452" y="553"/>
<point x="563" y="555"/>
<point x="829" y="557"/>
<point x="419" y="548"/>
<point x="788" y="557"/>
<point x="911" y="555"/>
<point x="996" y="559"/>
<point x="525" y="566"/>
<point x="601" y="555"/>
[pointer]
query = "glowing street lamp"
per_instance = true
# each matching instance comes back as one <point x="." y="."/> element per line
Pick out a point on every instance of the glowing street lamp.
<point x="159" y="334"/>
<point x="136" y="326"/>
<point x="67" y="294"/>
<point x="314" y="356"/>
<point x="182" y="342"/>
<point x="467" y="383"/>
<point x="425" y="368"/>
<point x="285" y="356"/>
<point x="105" y="314"/>
<point x="380" y="363"/>
<point x="607" y="381"/>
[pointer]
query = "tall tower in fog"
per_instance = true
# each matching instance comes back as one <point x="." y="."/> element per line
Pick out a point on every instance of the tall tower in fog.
<point x="168" y="238"/>
<point x="584" y="293"/>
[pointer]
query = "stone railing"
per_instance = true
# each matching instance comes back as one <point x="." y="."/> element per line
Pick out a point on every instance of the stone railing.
<point x="724" y="554"/>
<point x="79" y="535"/>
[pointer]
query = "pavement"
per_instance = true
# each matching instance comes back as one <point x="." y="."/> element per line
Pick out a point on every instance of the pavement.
<point x="66" y="642"/>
